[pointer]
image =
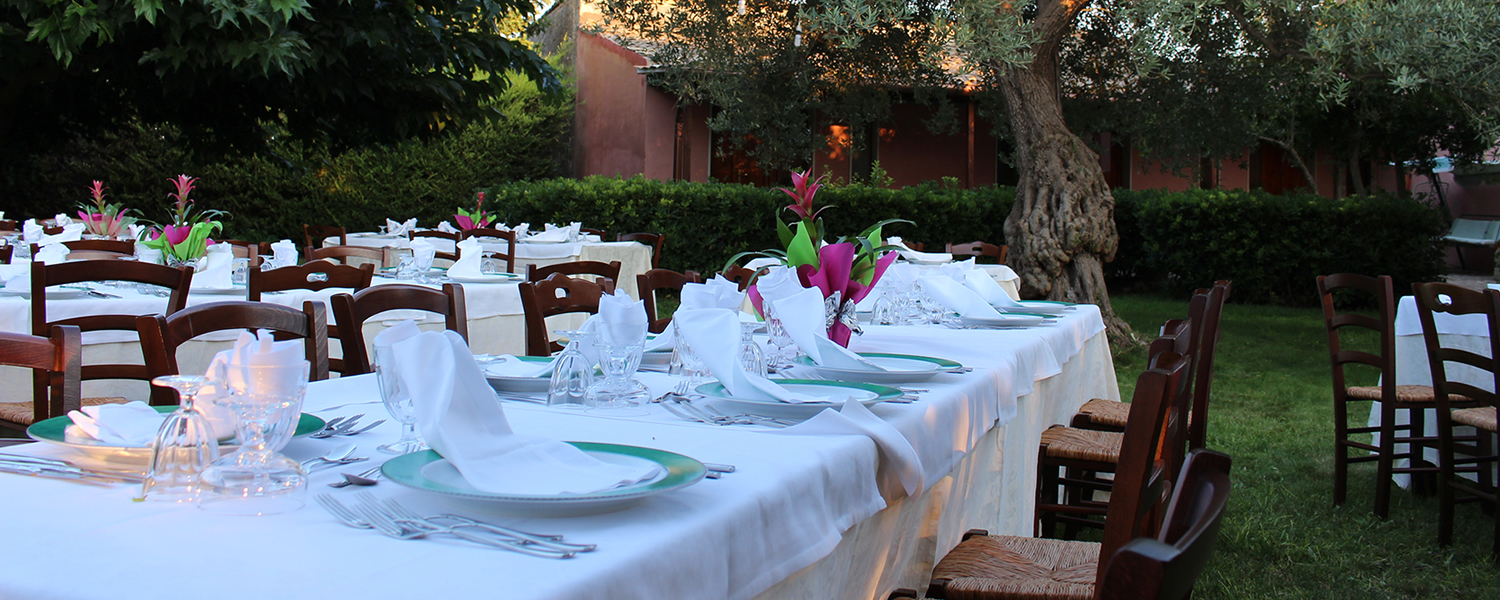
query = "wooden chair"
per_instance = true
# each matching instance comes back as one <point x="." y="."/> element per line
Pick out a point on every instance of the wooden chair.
<point x="57" y="361"/>
<point x="314" y="234"/>
<point x="589" y="231"/>
<point x="977" y="249"/>
<point x="8" y="225"/>
<point x="442" y="235"/>
<point x="984" y="566"/>
<point x="1465" y="399"/>
<point x="246" y="250"/>
<point x="609" y="271"/>
<point x="160" y="335"/>
<point x="654" y="240"/>
<point x="353" y="310"/>
<point x="315" y="275"/>
<point x="342" y="254"/>
<point x="556" y="295"/>
<point x="6" y="252"/>
<point x="177" y="280"/>
<point x="1413" y="400"/>
<point x="510" y="239"/>
<point x="1073" y="458"/>
<point x="1167" y="566"/>
<point x="52" y="230"/>
<point x="126" y="247"/>
<point x="742" y="276"/>
<point x="661" y="279"/>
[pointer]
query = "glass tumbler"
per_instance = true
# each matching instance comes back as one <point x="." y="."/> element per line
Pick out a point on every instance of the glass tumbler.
<point x="619" y="392"/>
<point x="572" y="373"/>
<point x="256" y="479"/>
<point x="752" y="358"/>
<point x="184" y="446"/>
<point x="398" y="402"/>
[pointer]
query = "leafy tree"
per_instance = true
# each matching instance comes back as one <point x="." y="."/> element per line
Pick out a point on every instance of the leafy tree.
<point x="350" y="71"/>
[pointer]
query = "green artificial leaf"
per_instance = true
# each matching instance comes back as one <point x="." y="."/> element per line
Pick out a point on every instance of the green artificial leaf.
<point x="783" y="231"/>
<point x="802" y="251"/>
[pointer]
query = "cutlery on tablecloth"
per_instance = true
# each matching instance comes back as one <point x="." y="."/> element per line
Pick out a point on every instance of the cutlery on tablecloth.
<point x="333" y="455"/>
<point x="367" y="477"/>
<point x="343" y="428"/>
<point x="552" y="541"/>
<point x="364" y="516"/>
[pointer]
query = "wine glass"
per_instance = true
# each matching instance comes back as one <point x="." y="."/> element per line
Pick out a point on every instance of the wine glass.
<point x="752" y="359"/>
<point x="572" y="373"/>
<point x="256" y="479"/>
<point x="398" y="402"/>
<point x="184" y="446"/>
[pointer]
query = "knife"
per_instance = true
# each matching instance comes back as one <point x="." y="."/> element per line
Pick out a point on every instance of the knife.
<point x="55" y="473"/>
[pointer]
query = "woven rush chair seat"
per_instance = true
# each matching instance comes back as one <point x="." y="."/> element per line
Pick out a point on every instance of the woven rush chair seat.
<point x="1106" y="413"/>
<point x="1083" y="444"/>
<point x="1404" y="393"/>
<point x="21" y="412"/>
<point x="1478" y="418"/>
<point x="1017" y="567"/>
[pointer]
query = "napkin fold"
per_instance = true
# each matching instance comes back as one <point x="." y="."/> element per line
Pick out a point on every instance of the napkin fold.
<point x="284" y="253"/>
<point x="147" y="254"/>
<point x="71" y="232"/>
<point x="714" y="334"/>
<point x="62" y="219"/>
<point x="957" y="297"/>
<point x="129" y="424"/>
<point x="424" y="253"/>
<point x="855" y="419"/>
<point x="51" y="254"/>
<point x="447" y="227"/>
<point x="217" y="268"/>
<point x="31" y="232"/>
<point x="621" y="320"/>
<point x="802" y="315"/>
<point x="400" y="228"/>
<point x="554" y="233"/>
<point x="460" y="418"/>
<point x="987" y="288"/>
<point x="914" y="256"/>
<point x="714" y="293"/>
<point x="470" y="257"/>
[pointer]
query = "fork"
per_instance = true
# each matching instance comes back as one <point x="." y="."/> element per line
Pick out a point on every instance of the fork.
<point x="548" y="541"/>
<point x="409" y="529"/>
<point x="362" y="429"/>
<point x="343" y="426"/>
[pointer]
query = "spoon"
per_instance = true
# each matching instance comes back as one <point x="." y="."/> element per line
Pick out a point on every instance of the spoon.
<point x="334" y="455"/>
<point x="369" y="477"/>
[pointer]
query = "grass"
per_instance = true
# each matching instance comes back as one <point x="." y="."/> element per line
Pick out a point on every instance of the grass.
<point x="1272" y="411"/>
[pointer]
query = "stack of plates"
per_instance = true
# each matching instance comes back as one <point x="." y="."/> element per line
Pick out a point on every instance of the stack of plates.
<point x="837" y="393"/>
<point x="900" y="368"/>
<point x="525" y="385"/>
<point x="52" y="431"/>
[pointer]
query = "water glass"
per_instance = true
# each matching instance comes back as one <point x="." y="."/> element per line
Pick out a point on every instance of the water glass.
<point x="693" y="367"/>
<point x="407" y="269"/>
<point x="241" y="271"/>
<point x="752" y="359"/>
<point x="256" y="479"/>
<point x="398" y="401"/>
<point x="572" y="373"/>
<point x="184" y="446"/>
<point x="619" y="393"/>
<point x="785" y="349"/>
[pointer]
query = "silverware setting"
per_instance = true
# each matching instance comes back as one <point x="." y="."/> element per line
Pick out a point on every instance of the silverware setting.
<point x="394" y="520"/>
<point x="716" y="470"/>
<point x="684" y="408"/>
<point x="61" y="469"/>
<point x="369" y="476"/>
<point x="344" y="426"/>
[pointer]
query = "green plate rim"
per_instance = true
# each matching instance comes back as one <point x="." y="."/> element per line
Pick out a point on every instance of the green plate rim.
<point x="681" y="471"/>
<point x="884" y="393"/>
<point x="942" y="362"/>
<point x="52" y="430"/>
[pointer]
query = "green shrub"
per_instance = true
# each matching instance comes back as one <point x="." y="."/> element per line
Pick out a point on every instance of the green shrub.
<point x="1272" y="247"/>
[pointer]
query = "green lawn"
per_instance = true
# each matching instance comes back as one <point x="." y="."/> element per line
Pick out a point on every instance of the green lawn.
<point x="1272" y="411"/>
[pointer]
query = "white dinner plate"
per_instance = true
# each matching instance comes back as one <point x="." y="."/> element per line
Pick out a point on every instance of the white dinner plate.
<point x="900" y="368"/>
<point x="52" y="293"/>
<point x="229" y="291"/>
<point x="489" y="278"/>
<point x="1040" y="307"/>
<point x="429" y="472"/>
<point x="1011" y="320"/>
<point x="526" y="385"/>
<point x="54" y="431"/>
<point x="544" y="242"/>
<point x="837" y="392"/>
<point x="928" y="262"/>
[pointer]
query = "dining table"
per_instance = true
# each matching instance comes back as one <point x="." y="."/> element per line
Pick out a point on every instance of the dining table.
<point x="804" y="514"/>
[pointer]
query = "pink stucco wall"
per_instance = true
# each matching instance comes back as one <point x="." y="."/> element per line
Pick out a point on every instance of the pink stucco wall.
<point x="621" y="125"/>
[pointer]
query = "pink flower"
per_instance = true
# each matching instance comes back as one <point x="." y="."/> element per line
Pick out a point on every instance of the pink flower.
<point x="804" y="195"/>
<point x="97" y="190"/>
<point x="177" y="233"/>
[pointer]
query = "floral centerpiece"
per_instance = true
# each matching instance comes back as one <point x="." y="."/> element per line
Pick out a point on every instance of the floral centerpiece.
<point x="104" y="219"/>
<point x="844" y="271"/>
<point x="473" y="220"/>
<point x="186" y="239"/>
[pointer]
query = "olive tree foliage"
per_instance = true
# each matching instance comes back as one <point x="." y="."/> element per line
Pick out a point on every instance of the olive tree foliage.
<point x="349" y="72"/>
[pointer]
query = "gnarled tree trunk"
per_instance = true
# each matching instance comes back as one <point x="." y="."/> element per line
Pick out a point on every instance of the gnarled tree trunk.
<point x="1062" y="227"/>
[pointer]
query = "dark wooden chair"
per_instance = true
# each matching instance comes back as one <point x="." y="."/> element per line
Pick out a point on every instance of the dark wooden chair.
<point x="8" y="225"/>
<point x="442" y="235"/>
<point x="1072" y="459"/>
<point x="52" y="230"/>
<point x="661" y="279"/>
<point x="160" y="335"/>
<point x="741" y="276"/>
<point x="509" y="256"/>
<point x="984" y="566"/>
<point x="1463" y="400"/>
<point x="315" y="275"/>
<point x="1413" y="400"/>
<point x="57" y="360"/>
<point x="654" y="240"/>
<point x="977" y="249"/>
<point x="609" y="270"/>
<point x="352" y="310"/>
<point x="314" y="234"/>
<point x="590" y="231"/>
<point x="126" y="247"/>
<point x="556" y="295"/>
<point x="246" y="250"/>
<point x="1167" y="566"/>
<point x="342" y="254"/>
<point x="177" y="280"/>
<point x="6" y="252"/>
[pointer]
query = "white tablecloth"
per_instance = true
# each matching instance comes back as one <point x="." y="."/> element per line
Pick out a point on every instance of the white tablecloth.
<point x="635" y="258"/>
<point x="804" y="516"/>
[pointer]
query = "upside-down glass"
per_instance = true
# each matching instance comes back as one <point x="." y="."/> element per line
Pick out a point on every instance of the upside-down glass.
<point x="184" y="446"/>
<point x="752" y="359"/>
<point x="256" y="479"/>
<point x="693" y="368"/>
<point x="572" y="373"/>
<point x="619" y="393"/>
<point x="785" y="349"/>
<point x="398" y="402"/>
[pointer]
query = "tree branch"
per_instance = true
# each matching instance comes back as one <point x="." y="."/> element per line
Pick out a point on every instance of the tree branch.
<point x="1296" y="158"/>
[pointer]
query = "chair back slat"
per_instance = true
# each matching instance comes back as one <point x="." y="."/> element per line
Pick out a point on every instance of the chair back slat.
<point x="654" y="240"/>
<point x="509" y="237"/>
<point x="352" y="310"/>
<point x="610" y="270"/>
<point x="557" y="294"/>
<point x="977" y="249"/>
<point x="313" y="234"/>
<point x="661" y="279"/>
<point x="161" y="335"/>
<point x="342" y="254"/>
<point x="314" y="275"/>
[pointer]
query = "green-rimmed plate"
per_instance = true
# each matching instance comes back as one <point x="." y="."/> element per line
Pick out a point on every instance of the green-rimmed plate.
<point x="53" y="431"/>
<point x="899" y="368"/>
<point x="837" y="393"/>
<point x="1007" y="320"/>
<point x="430" y="472"/>
<point x="508" y="383"/>
<point x="489" y="278"/>
<point x="1047" y="308"/>
<point x="432" y="270"/>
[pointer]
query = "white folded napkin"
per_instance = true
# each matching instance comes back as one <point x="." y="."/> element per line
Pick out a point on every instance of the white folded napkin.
<point x="447" y="227"/>
<point x="855" y="419"/>
<point x="957" y="297"/>
<point x="31" y="232"/>
<point x="395" y="228"/>
<point x="802" y="315"/>
<point x="508" y="365"/>
<point x="666" y="341"/>
<point x="521" y="230"/>
<point x="217" y="268"/>
<point x="146" y="254"/>
<point x="284" y="253"/>
<point x="988" y="289"/>
<point x="462" y="420"/>
<point x="135" y="230"/>
<point x="621" y="320"/>
<point x="553" y="233"/>
<point x="71" y="232"/>
<point x="62" y="219"/>
<point x="913" y="255"/>
<point x="765" y="261"/>
<point x="130" y="424"/>
<point x="51" y="254"/>
<point x="958" y="270"/>
<point x="254" y="350"/>
<point x="470" y="256"/>
<point x="424" y="253"/>
<point x="714" y="334"/>
<point x="778" y="282"/>
<point x="714" y="293"/>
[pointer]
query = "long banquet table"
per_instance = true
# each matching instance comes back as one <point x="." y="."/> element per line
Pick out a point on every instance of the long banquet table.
<point x="635" y="258"/>
<point x="803" y="516"/>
